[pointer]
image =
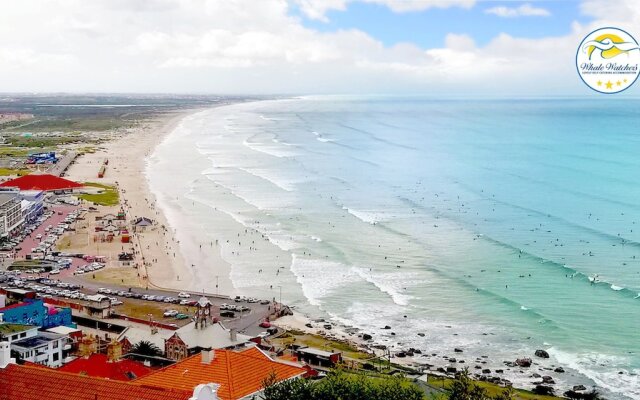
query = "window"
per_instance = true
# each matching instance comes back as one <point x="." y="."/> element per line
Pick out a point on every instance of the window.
<point x="23" y="334"/>
<point x="56" y="357"/>
<point x="55" y="344"/>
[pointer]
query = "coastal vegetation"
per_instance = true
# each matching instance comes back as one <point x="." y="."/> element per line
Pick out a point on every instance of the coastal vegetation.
<point x="14" y="171"/>
<point x="146" y="348"/>
<point x="7" y="151"/>
<point x="107" y="196"/>
<point x="342" y="386"/>
<point x="347" y="385"/>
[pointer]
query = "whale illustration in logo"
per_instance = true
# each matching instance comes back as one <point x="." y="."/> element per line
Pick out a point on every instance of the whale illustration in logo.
<point x="607" y="46"/>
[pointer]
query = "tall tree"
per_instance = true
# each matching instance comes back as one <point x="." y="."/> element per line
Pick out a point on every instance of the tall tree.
<point x="146" y="348"/>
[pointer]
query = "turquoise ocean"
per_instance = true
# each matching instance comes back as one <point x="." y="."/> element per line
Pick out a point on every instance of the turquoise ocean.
<point x="496" y="226"/>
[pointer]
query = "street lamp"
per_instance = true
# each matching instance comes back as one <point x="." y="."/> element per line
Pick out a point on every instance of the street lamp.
<point x="280" y="301"/>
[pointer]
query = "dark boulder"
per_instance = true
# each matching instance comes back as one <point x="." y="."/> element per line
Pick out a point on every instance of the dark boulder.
<point x="421" y="334"/>
<point x="523" y="362"/>
<point x="457" y="350"/>
<point x="547" y="379"/>
<point x="386" y="327"/>
<point x="486" y="371"/>
<point x="366" y="336"/>
<point x="452" y="370"/>
<point x="559" y="370"/>
<point x="542" y="354"/>
<point x="579" y="387"/>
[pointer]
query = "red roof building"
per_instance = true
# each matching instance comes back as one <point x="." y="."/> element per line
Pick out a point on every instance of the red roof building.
<point x="44" y="182"/>
<point x="98" y="365"/>
<point x="21" y="382"/>
<point x="238" y="373"/>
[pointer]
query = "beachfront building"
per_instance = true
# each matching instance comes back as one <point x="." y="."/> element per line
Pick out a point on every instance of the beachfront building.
<point x="28" y="344"/>
<point x="32" y="203"/>
<point x="192" y="339"/>
<point x="236" y="374"/>
<point x="14" y="332"/>
<point x="11" y="218"/>
<point x="43" y="182"/>
<point x="141" y="224"/>
<point x="44" y="348"/>
<point x="26" y="382"/>
<point x="36" y="312"/>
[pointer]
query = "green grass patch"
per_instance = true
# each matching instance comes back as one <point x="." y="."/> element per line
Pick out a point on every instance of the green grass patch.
<point x="319" y="342"/>
<point x="13" y="171"/>
<point x="107" y="197"/>
<point x="40" y="142"/>
<point x="13" y="152"/>
<point x="493" y="390"/>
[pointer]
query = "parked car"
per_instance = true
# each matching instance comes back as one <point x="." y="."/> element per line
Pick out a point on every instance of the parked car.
<point x="170" y="313"/>
<point x="184" y="295"/>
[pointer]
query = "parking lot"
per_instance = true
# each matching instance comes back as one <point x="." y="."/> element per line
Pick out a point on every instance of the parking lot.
<point x="67" y="277"/>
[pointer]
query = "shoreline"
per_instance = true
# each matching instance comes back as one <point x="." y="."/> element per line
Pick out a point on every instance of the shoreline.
<point x="141" y="199"/>
<point x="128" y="158"/>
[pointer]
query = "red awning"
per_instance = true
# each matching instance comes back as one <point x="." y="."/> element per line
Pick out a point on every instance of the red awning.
<point x="44" y="182"/>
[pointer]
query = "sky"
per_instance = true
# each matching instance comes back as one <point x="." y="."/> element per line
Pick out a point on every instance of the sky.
<point x="457" y="47"/>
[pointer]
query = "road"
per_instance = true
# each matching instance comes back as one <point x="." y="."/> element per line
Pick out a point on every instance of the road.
<point x="246" y="323"/>
<point x="62" y="164"/>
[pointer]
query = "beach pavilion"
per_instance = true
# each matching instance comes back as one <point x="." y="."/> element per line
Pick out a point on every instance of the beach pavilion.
<point x="44" y="182"/>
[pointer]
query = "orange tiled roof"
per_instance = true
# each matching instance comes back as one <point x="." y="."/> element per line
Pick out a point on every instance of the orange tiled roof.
<point x="99" y="365"/>
<point x="239" y="373"/>
<point x="21" y="382"/>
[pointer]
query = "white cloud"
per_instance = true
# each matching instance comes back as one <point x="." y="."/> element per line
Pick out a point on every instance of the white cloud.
<point x="525" y="10"/>
<point x="248" y="46"/>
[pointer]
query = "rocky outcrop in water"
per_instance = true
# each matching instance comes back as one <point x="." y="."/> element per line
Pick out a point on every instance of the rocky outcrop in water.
<point x="542" y="354"/>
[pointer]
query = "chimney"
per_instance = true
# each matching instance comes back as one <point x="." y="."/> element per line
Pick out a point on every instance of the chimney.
<point x="233" y="335"/>
<point x="146" y="363"/>
<point x="5" y="355"/>
<point x="208" y="356"/>
<point x="114" y="351"/>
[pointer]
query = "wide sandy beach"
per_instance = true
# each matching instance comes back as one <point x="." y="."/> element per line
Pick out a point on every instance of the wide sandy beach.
<point x="127" y="155"/>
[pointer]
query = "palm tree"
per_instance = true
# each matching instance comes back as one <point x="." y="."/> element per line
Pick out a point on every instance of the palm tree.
<point x="146" y="348"/>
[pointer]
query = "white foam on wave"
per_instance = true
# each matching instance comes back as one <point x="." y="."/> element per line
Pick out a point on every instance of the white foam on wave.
<point x="272" y="150"/>
<point x="616" y="287"/>
<point x="321" y="138"/>
<point x="319" y="278"/>
<point x="523" y="308"/>
<point x="589" y="364"/>
<point x="390" y="283"/>
<point x="268" y="176"/>
<point x="317" y="239"/>
<point x="370" y="217"/>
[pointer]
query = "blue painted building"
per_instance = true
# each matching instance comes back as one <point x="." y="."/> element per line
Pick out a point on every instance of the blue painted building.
<point x="35" y="312"/>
